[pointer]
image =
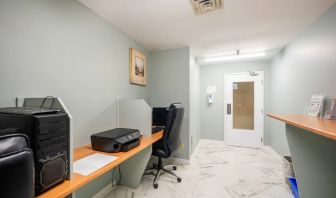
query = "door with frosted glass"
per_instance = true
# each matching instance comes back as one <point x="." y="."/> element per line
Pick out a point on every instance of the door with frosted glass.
<point x="243" y="109"/>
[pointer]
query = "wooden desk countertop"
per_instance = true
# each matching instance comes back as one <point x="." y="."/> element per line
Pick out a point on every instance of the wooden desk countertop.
<point x="319" y="126"/>
<point x="77" y="181"/>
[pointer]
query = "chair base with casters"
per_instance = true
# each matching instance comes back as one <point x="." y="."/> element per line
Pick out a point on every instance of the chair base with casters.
<point x="159" y="170"/>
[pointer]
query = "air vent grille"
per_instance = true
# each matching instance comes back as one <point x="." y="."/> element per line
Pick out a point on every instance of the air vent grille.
<point x="203" y="6"/>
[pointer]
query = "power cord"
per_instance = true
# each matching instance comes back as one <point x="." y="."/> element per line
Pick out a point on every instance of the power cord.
<point x="119" y="179"/>
<point x="44" y="100"/>
<point x="119" y="174"/>
<point x="113" y="185"/>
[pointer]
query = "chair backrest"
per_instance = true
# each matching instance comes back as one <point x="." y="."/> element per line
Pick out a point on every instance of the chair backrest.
<point x="171" y="136"/>
<point x="16" y="166"/>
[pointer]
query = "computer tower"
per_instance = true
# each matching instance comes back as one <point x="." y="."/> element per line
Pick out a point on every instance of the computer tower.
<point x="48" y="132"/>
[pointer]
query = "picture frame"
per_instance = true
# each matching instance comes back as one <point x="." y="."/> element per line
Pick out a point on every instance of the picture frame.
<point x="331" y="114"/>
<point x="316" y="105"/>
<point x="138" y="68"/>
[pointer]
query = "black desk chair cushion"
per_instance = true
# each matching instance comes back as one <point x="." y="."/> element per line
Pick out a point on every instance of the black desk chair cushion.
<point x="16" y="166"/>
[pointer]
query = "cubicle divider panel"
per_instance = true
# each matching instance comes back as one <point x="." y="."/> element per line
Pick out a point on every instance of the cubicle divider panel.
<point x="57" y="104"/>
<point x="133" y="169"/>
<point x="314" y="162"/>
<point x="136" y="114"/>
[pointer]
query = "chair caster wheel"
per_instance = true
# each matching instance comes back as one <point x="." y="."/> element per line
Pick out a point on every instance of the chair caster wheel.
<point x="155" y="165"/>
<point x="179" y="179"/>
<point x="155" y="186"/>
<point x="174" y="167"/>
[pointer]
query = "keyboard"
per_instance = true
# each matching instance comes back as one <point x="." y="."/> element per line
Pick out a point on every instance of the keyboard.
<point x="157" y="129"/>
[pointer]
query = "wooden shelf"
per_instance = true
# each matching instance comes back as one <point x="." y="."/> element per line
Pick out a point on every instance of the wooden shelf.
<point x="69" y="186"/>
<point x="319" y="126"/>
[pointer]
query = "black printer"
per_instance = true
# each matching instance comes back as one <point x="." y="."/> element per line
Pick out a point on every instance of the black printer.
<point x="48" y="132"/>
<point x="115" y="140"/>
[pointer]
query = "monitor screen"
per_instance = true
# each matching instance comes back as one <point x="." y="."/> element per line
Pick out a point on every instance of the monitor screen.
<point x="160" y="116"/>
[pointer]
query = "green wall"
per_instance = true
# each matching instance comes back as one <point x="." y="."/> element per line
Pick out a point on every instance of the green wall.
<point x="194" y="98"/>
<point x="305" y="67"/>
<point x="61" y="48"/>
<point x="169" y="84"/>
<point x="212" y="116"/>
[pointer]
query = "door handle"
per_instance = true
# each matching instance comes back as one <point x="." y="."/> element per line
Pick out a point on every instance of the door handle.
<point x="228" y="109"/>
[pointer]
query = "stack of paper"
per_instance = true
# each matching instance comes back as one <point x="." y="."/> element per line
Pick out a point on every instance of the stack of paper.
<point x="91" y="163"/>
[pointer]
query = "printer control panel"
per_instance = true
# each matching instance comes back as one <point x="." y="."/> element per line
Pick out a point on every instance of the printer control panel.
<point x="129" y="137"/>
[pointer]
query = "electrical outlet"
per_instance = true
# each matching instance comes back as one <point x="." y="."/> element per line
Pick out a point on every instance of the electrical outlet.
<point x="182" y="147"/>
<point x="191" y="142"/>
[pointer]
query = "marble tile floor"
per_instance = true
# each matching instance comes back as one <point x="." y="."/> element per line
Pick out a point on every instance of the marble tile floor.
<point x="218" y="171"/>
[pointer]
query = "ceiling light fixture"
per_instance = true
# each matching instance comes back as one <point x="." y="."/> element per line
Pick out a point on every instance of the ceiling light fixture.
<point x="235" y="57"/>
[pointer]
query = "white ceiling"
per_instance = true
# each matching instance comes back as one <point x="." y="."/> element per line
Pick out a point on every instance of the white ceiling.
<point x="242" y="24"/>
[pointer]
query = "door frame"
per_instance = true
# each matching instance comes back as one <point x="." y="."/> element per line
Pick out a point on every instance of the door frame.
<point x="261" y="73"/>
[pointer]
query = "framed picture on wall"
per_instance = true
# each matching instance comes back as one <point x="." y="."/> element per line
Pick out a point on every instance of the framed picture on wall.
<point x="138" y="68"/>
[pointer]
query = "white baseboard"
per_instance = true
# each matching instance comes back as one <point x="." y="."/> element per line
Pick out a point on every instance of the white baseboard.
<point x="269" y="148"/>
<point x="179" y="161"/>
<point x="105" y="191"/>
<point x="170" y="161"/>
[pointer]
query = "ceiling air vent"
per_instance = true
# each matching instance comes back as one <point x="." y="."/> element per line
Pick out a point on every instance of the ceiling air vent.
<point x="203" y="6"/>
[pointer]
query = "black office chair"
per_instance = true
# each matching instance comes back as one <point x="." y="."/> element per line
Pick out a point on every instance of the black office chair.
<point x="169" y="143"/>
<point x="16" y="166"/>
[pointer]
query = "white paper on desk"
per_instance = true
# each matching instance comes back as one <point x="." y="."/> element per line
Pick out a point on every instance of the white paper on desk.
<point x="90" y="164"/>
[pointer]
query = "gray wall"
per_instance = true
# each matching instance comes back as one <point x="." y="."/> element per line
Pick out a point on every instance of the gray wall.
<point x="195" y="109"/>
<point x="169" y="84"/>
<point x="305" y="67"/>
<point x="212" y="116"/>
<point x="61" y="48"/>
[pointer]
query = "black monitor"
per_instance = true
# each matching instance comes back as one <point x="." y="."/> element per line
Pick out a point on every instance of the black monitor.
<point x="160" y="116"/>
